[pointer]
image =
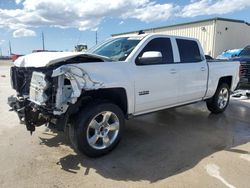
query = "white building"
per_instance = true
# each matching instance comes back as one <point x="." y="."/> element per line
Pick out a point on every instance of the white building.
<point x="216" y="35"/>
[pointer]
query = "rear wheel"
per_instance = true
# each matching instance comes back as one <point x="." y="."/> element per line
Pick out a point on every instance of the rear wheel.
<point x="219" y="102"/>
<point x="98" y="128"/>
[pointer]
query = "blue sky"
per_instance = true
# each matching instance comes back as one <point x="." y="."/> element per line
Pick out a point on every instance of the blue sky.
<point x="68" y="22"/>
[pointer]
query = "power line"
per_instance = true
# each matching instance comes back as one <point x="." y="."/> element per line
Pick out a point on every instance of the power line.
<point x="43" y="41"/>
<point x="10" y="48"/>
<point x="80" y="35"/>
<point x="96" y="37"/>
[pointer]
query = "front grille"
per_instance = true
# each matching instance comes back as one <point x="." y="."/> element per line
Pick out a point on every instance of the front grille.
<point x="20" y="79"/>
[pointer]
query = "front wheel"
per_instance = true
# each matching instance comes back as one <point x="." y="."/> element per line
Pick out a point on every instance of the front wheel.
<point x="98" y="128"/>
<point x="219" y="102"/>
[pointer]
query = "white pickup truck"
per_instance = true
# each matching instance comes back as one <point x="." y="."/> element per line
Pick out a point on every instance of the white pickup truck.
<point x="92" y="93"/>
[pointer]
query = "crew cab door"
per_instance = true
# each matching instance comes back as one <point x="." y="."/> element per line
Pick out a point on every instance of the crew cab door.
<point x="193" y="71"/>
<point x="156" y="82"/>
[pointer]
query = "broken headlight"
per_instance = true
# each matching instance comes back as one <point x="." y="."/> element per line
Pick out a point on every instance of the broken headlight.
<point x="38" y="85"/>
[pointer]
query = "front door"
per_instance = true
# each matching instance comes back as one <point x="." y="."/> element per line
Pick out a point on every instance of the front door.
<point x="156" y="84"/>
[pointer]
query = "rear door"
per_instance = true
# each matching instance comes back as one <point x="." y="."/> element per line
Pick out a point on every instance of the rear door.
<point x="193" y="71"/>
<point x="156" y="84"/>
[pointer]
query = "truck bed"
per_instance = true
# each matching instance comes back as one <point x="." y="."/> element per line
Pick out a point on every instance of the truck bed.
<point x="221" y="68"/>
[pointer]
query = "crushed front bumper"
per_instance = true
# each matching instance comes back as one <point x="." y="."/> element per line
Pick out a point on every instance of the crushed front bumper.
<point x="28" y="113"/>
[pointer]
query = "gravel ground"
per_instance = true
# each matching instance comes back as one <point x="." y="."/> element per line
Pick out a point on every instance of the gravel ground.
<point x="5" y="62"/>
<point x="182" y="147"/>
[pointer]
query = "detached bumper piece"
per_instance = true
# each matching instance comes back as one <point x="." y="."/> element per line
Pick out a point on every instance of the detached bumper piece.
<point x="27" y="113"/>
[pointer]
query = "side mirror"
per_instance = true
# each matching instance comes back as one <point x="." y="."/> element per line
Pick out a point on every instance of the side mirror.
<point x="150" y="57"/>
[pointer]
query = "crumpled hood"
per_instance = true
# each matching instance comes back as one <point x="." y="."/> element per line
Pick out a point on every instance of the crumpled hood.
<point x="44" y="59"/>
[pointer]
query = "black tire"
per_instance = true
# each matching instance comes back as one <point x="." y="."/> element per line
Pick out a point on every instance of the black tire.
<point x="82" y="128"/>
<point x="213" y="104"/>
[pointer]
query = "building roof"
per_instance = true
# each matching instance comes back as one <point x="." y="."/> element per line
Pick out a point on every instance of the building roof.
<point x="187" y="23"/>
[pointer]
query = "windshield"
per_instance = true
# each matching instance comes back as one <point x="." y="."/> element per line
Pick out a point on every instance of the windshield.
<point x="116" y="49"/>
<point x="245" y="51"/>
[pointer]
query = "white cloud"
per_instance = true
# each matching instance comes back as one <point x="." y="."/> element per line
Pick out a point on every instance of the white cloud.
<point x="121" y="22"/>
<point x="18" y="1"/>
<point x="95" y="29"/>
<point x="88" y="14"/>
<point x="81" y="14"/>
<point x="2" y="41"/>
<point x="152" y="12"/>
<point x="210" y="7"/>
<point x="22" y="32"/>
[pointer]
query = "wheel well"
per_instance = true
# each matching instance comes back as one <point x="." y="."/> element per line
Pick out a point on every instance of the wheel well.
<point x="116" y="95"/>
<point x="227" y="80"/>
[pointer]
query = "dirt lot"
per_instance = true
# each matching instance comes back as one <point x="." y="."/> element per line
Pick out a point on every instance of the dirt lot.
<point x="182" y="147"/>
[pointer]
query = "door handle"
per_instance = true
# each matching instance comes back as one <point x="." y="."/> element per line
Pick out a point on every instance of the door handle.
<point x="173" y="71"/>
<point x="203" y="68"/>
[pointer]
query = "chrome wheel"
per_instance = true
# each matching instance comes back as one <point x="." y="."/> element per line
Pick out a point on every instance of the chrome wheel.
<point x="103" y="130"/>
<point x="223" y="98"/>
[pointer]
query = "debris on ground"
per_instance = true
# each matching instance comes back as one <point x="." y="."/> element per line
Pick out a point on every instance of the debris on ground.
<point x="241" y="93"/>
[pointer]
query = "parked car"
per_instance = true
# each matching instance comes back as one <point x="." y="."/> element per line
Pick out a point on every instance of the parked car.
<point x="15" y="56"/>
<point x="228" y="54"/>
<point x="93" y="93"/>
<point x="81" y="48"/>
<point x="244" y="59"/>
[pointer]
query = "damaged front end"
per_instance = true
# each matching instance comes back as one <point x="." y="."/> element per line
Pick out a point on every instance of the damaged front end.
<point x="45" y="94"/>
<point x="23" y="81"/>
<point x="27" y="113"/>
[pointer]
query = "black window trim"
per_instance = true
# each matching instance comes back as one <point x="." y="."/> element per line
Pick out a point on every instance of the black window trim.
<point x="182" y="62"/>
<point x="156" y="63"/>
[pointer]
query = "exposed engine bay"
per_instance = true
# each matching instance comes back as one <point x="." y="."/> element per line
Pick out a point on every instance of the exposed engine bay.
<point x="44" y="94"/>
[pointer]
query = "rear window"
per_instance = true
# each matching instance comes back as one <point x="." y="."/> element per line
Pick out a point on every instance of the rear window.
<point x="189" y="51"/>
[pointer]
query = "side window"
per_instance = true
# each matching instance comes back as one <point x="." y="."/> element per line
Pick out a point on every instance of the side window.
<point x="162" y="45"/>
<point x="189" y="51"/>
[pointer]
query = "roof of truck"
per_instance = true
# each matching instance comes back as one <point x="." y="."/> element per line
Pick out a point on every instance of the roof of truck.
<point x="147" y="35"/>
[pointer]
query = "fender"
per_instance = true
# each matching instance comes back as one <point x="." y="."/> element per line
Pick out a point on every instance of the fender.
<point x="79" y="80"/>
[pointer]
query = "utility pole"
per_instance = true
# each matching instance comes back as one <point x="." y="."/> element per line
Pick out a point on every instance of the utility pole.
<point x="96" y="37"/>
<point x="43" y="41"/>
<point x="10" y="48"/>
